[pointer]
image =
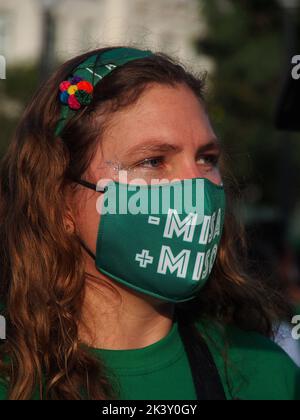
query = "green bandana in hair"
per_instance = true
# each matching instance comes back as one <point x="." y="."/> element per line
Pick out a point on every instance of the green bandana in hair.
<point x="78" y="89"/>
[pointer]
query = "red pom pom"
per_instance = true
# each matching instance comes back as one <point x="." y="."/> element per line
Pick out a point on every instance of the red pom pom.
<point x="64" y="86"/>
<point x="86" y="86"/>
<point x="73" y="102"/>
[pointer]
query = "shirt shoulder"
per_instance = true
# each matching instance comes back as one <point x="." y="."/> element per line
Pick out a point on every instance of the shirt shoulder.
<point x="252" y="367"/>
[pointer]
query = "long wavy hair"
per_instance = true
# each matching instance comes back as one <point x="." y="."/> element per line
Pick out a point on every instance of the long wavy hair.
<point x="42" y="276"/>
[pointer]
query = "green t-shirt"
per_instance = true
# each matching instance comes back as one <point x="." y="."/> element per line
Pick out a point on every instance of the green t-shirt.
<point x="257" y="369"/>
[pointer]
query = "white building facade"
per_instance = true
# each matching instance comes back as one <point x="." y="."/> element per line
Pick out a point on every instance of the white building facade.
<point x="170" y="26"/>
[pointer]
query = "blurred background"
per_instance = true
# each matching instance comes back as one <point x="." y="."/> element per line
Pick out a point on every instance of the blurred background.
<point x="246" y="46"/>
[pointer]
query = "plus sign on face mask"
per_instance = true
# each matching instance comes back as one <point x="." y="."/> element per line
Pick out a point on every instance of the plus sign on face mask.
<point x="161" y="240"/>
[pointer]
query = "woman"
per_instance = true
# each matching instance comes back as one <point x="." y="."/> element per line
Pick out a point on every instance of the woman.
<point x="108" y="305"/>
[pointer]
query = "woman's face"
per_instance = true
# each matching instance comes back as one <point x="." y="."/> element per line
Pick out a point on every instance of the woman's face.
<point x="165" y="134"/>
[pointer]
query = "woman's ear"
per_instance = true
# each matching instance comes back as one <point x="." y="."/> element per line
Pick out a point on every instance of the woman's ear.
<point x="69" y="222"/>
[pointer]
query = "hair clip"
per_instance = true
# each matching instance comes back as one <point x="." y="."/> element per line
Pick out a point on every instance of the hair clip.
<point x="76" y="92"/>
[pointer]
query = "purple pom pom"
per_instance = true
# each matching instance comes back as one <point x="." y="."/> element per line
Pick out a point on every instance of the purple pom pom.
<point x="75" y="80"/>
<point x="64" y="97"/>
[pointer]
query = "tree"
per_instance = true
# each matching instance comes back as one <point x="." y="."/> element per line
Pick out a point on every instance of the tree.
<point x="245" y="38"/>
<point x="15" y="92"/>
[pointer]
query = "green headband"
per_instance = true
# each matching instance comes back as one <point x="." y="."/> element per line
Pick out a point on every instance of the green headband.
<point x="78" y="89"/>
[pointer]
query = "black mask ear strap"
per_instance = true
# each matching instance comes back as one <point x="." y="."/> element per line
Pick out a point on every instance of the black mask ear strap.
<point x="90" y="185"/>
<point x="94" y="188"/>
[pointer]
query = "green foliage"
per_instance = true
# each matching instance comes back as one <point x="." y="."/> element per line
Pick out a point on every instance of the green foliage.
<point x="15" y="92"/>
<point x="246" y="40"/>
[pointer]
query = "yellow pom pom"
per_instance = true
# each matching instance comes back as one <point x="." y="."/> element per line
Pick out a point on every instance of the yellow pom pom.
<point x="72" y="89"/>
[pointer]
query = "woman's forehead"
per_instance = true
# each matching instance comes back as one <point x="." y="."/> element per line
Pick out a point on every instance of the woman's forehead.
<point x="165" y="117"/>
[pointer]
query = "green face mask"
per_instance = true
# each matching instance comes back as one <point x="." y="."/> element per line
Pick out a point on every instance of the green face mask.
<point x="162" y="239"/>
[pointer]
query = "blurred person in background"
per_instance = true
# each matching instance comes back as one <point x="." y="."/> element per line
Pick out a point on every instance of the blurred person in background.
<point x="276" y="262"/>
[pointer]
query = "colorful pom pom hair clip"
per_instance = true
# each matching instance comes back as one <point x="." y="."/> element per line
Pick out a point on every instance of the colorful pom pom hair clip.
<point x="77" y="91"/>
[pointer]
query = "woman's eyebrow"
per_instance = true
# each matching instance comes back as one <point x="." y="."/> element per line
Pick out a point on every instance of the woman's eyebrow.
<point x="163" y="147"/>
<point x="153" y="146"/>
<point x="212" y="145"/>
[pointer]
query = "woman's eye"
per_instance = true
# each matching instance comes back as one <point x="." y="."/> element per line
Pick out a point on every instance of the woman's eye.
<point x="154" y="162"/>
<point x="211" y="160"/>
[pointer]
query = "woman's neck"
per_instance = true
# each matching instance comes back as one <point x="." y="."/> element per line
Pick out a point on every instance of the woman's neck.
<point x="118" y="318"/>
